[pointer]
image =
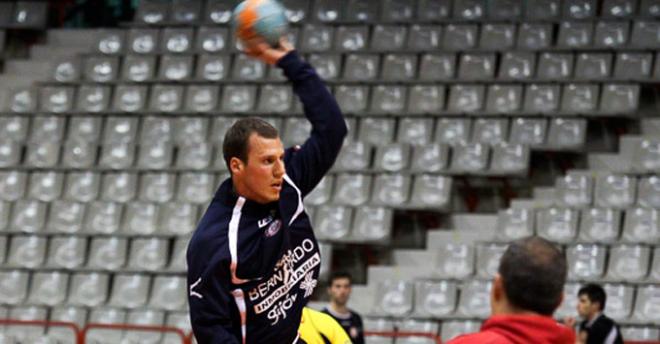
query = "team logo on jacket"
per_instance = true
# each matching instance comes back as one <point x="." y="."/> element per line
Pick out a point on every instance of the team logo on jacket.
<point x="273" y="228"/>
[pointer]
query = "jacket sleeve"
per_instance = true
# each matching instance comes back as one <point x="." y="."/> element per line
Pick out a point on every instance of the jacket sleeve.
<point x="308" y="164"/>
<point x="210" y="313"/>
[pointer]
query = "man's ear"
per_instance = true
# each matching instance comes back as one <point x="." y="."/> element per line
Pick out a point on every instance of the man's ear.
<point x="236" y="165"/>
<point x="498" y="287"/>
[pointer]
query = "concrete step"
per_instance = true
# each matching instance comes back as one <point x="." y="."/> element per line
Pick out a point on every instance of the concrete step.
<point x="379" y="273"/>
<point x="610" y="163"/>
<point x="27" y="68"/>
<point x="650" y="126"/>
<point x="412" y="257"/>
<point x="82" y="38"/>
<point x="49" y="52"/>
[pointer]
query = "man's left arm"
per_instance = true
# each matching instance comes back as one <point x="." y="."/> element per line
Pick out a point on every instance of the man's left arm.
<point x="307" y="164"/>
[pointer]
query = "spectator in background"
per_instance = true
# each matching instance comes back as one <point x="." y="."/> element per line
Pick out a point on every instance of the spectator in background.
<point x="526" y="291"/>
<point x="596" y="328"/>
<point x="339" y="289"/>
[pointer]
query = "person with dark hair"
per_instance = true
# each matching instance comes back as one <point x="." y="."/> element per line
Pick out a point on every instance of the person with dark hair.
<point x="339" y="289"/>
<point x="253" y="261"/>
<point x="596" y="328"/>
<point x="526" y="291"/>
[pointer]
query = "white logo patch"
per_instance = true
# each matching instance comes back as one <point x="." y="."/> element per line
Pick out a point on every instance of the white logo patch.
<point x="263" y="222"/>
<point x="273" y="228"/>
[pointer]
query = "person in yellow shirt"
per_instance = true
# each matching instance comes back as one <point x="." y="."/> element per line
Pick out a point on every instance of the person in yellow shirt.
<point x="320" y="328"/>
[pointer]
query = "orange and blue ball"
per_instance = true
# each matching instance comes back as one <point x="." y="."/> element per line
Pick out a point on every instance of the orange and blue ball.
<point x="260" y="18"/>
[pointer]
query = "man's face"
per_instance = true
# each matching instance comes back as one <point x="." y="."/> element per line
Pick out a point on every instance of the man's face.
<point x="340" y="290"/>
<point x="262" y="176"/>
<point x="585" y="307"/>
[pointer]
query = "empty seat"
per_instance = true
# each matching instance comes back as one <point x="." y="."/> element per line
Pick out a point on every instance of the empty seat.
<point x="246" y="68"/>
<point x="424" y="37"/>
<point x="557" y="224"/>
<point x="239" y="98"/>
<point x="510" y="158"/>
<point x="567" y="133"/>
<point x="579" y="9"/>
<point x="129" y="291"/>
<point x="190" y="130"/>
<point x="645" y="33"/>
<point x="528" y="131"/>
<point x="30" y="333"/>
<point x="107" y="253"/>
<point x="355" y="156"/>
<point x="628" y="262"/>
<point x="488" y="259"/>
<point x="211" y="39"/>
<point x="361" y="67"/>
<point x="45" y="186"/>
<point x="119" y="187"/>
<point x="22" y="100"/>
<point x="177" y="40"/>
<point x="93" y="98"/>
<point x="328" y="66"/>
<point x="430" y="158"/>
<point x="101" y="68"/>
<point x="177" y="218"/>
<point x="195" y="188"/>
<point x="466" y="98"/>
<point x="399" y="67"/>
<point x="394" y="298"/>
<point x="5" y="211"/>
<point x="541" y="98"/>
<point x="585" y="261"/>
<point x="430" y="191"/>
<point x="14" y="128"/>
<point x="615" y="191"/>
<point x="619" y="98"/>
<point x="212" y="67"/>
<point x="517" y="65"/>
<point x="157" y="187"/>
<point x="454" y="328"/>
<point x="619" y="8"/>
<point x="392" y="157"/>
<point x="168" y="293"/>
<point x="29" y="216"/>
<point x="67" y="252"/>
<point x="647" y="155"/>
<point x="574" y="190"/>
<point x="322" y="192"/>
<point x="143" y="41"/>
<point x="418" y="326"/>
<point x="351" y="38"/>
<point x="391" y="190"/>
<point x="88" y="289"/>
<point x="476" y="66"/>
<point x="426" y="99"/>
<point x="590" y="66"/>
<point x="106" y="316"/>
<point x="130" y="98"/>
<point x="103" y="217"/>
<point x="27" y="251"/>
<point x="515" y="223"/>
<point x="48" y="288"/>
<point x="296" y="131"/>
<point x="140" y="218"/>
<point x="14" y="285"/>
<point x="435" y="298"/>
<point x="65" y="216"/>
<point x="352" y="98"/>
<point x="504" y="98"/>
<point x="415" y="131"/>
<point x="490" y="131"/>
<point x="534" y="36"/>
<point x="649" y="192"/>
<point x="155" y="130"/>
<point x="575" y="34"/>
<point x="645" y="333"/>
<point x="388" y="37"/>
<point x="166" y="98"/>
<point x="600" y="225"/>
<point x="372" y="224"/>
<point x="647" y="304"/>
<point x="82" y="186"/>
<point x="145" y="317"/>
<point x="554" y="66"/>
<point x="333" y="222"/>
<point x="178" y="259"/>
<point x="317" y="37"/>
<point x="610" y="34"/>
<point x="40" y="154"/>
<point x="497" y="36"/>
<point x="377" y="131"/>
<point x="174" y="67"/>
<point x="437" y="66"/>
<point x="470" y="157"/>
<point x="460" y="36"/>
<point x="79" y="154"/>
<point x="56" y="99"/>
<point x="110" y="41"/>
<point x="641" y="225"/>
<point x="633" y="65"/>
<point x="13" y="185"/>
<point x="194" y="156"/>
<point x="76" y="315"/>
<point x="352" y="189"/>
<point x="275" y="98"/>
<point x="138" y="68"/>
<point x="454" y="260"/>
<point x="453" y="131"/>
<point x="475" y="299"/>
<point x="569" y="304"/>
<point x="148" y="254"/>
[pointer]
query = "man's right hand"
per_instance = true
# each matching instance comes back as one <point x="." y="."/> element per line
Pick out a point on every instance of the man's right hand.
<point x="259" y="49"/>
<point x="570" y="322"/>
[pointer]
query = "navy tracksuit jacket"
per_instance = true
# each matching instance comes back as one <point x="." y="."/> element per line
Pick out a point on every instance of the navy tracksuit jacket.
<point x="253" y="267"/>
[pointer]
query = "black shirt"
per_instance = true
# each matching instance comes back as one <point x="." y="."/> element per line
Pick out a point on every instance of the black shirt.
<point x="351" y="323"/>
<point x="601" y="330"/>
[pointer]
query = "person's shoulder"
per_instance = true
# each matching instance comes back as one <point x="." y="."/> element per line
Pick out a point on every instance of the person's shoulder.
<point x="355" y="315"/>
<point x="484" y="337"/>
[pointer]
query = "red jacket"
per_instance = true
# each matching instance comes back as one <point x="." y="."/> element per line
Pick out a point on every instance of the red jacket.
<point x="519" y="329"/>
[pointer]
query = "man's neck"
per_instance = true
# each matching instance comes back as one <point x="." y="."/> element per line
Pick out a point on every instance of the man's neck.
<point x="339" y="309"/>
<point x="593" y="317"/>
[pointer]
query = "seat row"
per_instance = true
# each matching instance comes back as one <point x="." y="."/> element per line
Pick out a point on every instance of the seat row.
<point x="23" y="15"/>
<point x="510" y="66"/>
<point x="364" y="132"/>
<point x="356" y="11"/>
<point x="605" y="225"/>
<point x="119" y="187"/>
<point x="608" y="190"/>
<point x="471" y="299"/>
<point x="355" y="99"/>
<point x="484" y="36"/>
